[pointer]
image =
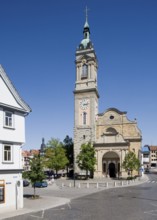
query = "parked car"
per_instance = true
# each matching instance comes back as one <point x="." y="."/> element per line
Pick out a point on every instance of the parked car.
<point x="25" y="183"/>
<point x="146" y="170"/>
<point x="40" y="184"/>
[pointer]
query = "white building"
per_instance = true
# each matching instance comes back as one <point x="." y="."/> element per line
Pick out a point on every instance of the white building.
<point x="12" y="136"/>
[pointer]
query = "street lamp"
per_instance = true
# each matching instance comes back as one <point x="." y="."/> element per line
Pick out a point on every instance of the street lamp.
<point x="73" y="165"/>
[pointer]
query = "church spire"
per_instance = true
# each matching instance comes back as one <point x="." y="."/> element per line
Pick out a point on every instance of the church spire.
<point x="43" y="146"/>
<point x="86" y="22"/>
<point x="86" y="42"/>
<point x="86" y="30"/>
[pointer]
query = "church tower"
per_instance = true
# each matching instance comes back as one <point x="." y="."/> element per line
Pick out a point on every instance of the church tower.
<point x="85" y="94"/>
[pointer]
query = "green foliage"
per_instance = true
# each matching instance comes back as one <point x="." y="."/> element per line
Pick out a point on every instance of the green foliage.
<point x="86" y="158"/>
<point x="131" y="162"/>
<point x="55" y="156"/>
<point x="68" y="146"/>
<point x="54" y="142"/>
<point x="36" y="173"/>
<point x="25" y="174"/>
<point x="131" y="177"/>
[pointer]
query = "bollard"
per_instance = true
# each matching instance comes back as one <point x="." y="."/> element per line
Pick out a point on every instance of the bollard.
<point x="122" y="183"/>
<point x="87" y="185"/>
<point x="115" y="183"/>
<point x="97" y="185"/>
<point x="79" y="185"/>
<point x="106" y="184"/>
<point x="62" y="184"/>
<point x="70" y="185"/>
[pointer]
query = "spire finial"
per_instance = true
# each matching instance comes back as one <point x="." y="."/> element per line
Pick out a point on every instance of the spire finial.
<point x="86" y="12"/>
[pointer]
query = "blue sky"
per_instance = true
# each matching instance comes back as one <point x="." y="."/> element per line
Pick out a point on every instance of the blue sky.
<point x="38" y="40"/>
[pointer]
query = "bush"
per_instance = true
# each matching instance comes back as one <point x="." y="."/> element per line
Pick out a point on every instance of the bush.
<point x="131" y="177"/>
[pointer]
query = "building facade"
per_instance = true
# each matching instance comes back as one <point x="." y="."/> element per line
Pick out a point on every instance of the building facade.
<point x="13" y="111"/>
<point x="26" y="157"/>
<point x="153" y="156"/>
<point x="111" y="133"/>
<point x="145" y="154"/>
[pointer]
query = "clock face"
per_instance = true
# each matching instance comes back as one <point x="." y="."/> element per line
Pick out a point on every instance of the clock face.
<point x="84" y="104"/>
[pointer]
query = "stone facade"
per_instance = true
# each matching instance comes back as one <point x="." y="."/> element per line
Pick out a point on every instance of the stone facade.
<point x="115" y="136"/>
<point x="111" y="133"/>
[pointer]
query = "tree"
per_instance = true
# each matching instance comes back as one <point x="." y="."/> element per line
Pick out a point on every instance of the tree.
<point x="36" y="173"/>
<point x="54" y="142"/>
<point x="86" y="158"/>
<point x="68" y="146"/>
<point x="55" y="156"/>
<point x="131" y="162"/>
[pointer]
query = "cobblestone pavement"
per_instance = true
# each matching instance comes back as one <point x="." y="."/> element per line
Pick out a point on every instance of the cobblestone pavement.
<point x="61" y="191"/>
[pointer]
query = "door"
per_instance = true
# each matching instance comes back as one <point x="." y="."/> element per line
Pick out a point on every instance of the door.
<point x="112" y="170"/>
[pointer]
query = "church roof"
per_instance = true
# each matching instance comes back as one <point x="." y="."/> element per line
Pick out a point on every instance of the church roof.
<point x="113" y="109"/>
<point x="154" y="148"/>
<point x="145" y="149"/>
<point x="116" y="110"/>
<point x="23" y="106"/>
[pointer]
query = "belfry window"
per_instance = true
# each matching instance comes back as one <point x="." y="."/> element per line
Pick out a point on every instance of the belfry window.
<point x="84" y="118"/>
<point x="84" y="71"/>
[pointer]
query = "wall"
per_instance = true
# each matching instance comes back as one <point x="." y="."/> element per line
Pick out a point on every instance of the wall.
<point x="15" y="134"/>
<point x="13" y="193"/>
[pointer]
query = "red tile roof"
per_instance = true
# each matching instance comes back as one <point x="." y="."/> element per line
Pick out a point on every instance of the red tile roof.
<point x="153" y="148"/>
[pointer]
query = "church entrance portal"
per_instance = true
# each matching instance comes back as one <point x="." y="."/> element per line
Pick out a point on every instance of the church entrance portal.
<point x="111" y="164"/>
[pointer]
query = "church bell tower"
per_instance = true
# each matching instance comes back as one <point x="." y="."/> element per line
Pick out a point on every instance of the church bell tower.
<point x="85" y="94"/>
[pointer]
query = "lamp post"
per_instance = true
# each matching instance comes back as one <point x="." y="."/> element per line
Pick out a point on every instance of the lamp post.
<point x="73" y="165"/>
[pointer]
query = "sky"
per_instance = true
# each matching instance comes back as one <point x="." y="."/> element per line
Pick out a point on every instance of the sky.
<point x="38" y="41"/>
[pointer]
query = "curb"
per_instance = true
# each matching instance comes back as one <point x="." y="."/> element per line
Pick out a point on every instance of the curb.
<point x="59" y="201"/>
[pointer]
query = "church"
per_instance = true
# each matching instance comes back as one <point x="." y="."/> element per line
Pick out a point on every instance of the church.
<point x="112" y="134"/>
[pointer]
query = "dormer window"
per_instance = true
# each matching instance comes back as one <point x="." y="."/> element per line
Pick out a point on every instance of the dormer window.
<point x="84" y="71"/>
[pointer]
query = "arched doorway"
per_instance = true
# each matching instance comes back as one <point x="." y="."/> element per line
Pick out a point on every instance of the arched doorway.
<point x="110" y="164"/>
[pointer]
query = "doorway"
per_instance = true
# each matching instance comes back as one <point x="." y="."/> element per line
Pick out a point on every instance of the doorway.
<point x="112" y="170"/>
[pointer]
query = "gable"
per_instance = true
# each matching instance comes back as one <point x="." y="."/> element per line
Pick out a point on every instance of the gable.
<point x="114" y="120"/>
<point x="9" y="97"/>
<point x="111" y="116"/>
<point x="6" y="96"/>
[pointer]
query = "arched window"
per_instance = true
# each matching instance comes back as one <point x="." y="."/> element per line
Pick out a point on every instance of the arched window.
<point x="84" y="118"/>
<point x="84" y="71"/>
<point x="111" y="130"/>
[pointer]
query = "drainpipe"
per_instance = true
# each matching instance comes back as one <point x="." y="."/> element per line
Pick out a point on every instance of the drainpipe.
<point x="16" y="193"/>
